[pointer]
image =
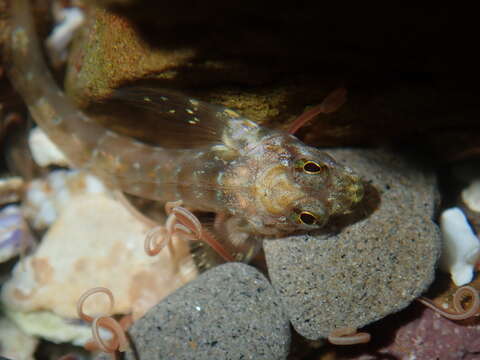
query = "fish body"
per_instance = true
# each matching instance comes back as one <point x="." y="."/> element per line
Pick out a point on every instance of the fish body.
<point x="262" y="182"/>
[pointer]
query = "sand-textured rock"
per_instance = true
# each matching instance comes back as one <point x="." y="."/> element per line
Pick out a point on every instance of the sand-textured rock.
<point x="230" y="312"/>
<point x="371" y="268"/>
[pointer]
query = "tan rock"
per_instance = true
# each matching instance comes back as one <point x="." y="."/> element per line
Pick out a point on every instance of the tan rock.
<point x="96" y="242"/>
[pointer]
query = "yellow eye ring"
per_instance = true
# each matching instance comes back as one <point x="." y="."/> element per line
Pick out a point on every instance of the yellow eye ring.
<point x="311" y="167"/>
<point x="307" y="218"/>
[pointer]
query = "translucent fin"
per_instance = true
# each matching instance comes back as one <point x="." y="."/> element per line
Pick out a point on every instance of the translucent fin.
<point x="180" y="121"/>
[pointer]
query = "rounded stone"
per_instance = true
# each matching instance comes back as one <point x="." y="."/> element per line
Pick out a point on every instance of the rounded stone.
<point x="371" y="267"/>
<point x="229" y="312"/>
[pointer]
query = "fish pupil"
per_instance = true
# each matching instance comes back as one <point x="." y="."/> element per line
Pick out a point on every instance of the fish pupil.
<point x="307" y="218"/>
<point x="311" y="167"/>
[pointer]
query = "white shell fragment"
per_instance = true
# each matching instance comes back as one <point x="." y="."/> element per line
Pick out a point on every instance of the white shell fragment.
<point x="51" y="327"/>
<point x="471" y="196"/>
<point x="95" y="242"/>
<point x="14" y="343"/>
<point x="461" y="247"/>
<point x="44" y="151"/>
<point x="68" y="19"/>
<point x="45" y="198"/>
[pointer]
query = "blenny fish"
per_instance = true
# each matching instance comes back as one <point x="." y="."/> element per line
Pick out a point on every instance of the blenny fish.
<point x="260" y="182"/>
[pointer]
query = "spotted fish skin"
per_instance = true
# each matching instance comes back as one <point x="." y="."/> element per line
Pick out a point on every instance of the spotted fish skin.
<point x="262" y="182"/>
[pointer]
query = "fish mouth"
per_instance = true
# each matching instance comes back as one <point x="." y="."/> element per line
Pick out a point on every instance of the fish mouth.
<point x="347" y="192"/>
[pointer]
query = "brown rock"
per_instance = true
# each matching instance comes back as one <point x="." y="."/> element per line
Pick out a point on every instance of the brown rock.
<point x="420" y="333"/>
<point x="371" y="268"/>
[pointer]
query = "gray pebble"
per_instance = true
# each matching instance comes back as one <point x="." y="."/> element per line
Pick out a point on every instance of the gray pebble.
<point x="375" y="266"/>
<point x="229" y="312"/>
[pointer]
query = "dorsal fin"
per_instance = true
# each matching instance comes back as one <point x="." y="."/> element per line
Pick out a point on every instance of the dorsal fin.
<point x="182" y="122"/>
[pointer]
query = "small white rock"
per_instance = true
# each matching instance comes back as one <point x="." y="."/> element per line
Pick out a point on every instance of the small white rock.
<point x="44" y="151"/>
<point x="461" y="247"/>
<point x="471" y="196"/>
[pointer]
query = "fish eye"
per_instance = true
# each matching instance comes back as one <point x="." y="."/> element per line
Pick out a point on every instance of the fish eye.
<point x="311" y="167"/>
<point x="307" y="218"/>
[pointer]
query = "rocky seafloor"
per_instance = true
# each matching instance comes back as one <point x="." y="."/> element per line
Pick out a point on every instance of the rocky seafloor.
<point x="64" y="231"/>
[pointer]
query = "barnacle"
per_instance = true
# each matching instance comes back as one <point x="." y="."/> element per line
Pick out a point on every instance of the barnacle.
<point x="119" y="340"/>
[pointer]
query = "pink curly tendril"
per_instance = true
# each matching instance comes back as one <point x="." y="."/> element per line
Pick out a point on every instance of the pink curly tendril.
<point x="181" y="222"/>
<point x="119" y="340"/>
<point x="348" y="336"/>
<point x="460" y="312"/>
<point x="155" y="240"/>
